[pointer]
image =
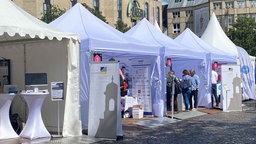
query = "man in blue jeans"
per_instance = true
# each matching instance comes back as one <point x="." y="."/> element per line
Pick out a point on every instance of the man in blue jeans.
<point x="214" y="88"/>
<point x="195" y="86"/>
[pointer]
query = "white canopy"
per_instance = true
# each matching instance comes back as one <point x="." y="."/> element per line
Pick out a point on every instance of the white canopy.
<point x="97" y="36"/>
<point x="148" y="33"/>
<point x="23" y="40"/>
<point x="215" y="36"/>
<point x="188" y="38"/>
<point x="17" y="24"/>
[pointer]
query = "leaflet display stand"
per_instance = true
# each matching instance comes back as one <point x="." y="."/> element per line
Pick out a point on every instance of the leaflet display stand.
<point x="6" y="129"/>
<point x="34" y="127"/>
<point x="57" y="94"/>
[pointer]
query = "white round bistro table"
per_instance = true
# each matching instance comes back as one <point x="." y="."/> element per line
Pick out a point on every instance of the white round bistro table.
<point x="34" y="127"/>
<point x="6" y="129"/>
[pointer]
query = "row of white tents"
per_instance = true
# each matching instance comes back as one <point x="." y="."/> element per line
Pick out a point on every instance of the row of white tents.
<point x="187" y="52"/>
<point x="34" y="46"/>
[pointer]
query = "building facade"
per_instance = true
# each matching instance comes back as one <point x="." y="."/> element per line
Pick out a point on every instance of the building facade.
<point x="128" y="11"/>
<point x="193" y="14"/>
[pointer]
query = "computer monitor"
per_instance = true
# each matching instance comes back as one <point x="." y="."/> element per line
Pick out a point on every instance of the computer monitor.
<point x="36" y="80"/>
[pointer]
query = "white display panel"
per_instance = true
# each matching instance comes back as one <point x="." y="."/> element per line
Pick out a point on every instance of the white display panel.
<point x="141" y="87"/>
<point x="231" y="99"/>
<point x="57" y="91"/>
<point x="104" y="101"/>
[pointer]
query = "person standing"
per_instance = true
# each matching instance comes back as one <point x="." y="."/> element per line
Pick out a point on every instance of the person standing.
<point x="195" y="86"/>
<point x="123" y="83"/>
<point x="214" y="88"/>
<point x="172" y="78"/>
<point x="186" y="88"/>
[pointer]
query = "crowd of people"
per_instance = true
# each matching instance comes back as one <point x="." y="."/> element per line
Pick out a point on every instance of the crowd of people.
<point x="188" y="86"/>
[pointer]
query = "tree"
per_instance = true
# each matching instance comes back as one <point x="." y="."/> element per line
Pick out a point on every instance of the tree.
<point x="243" y="34"/>
<point x="122" y="26"/>
<point x="95" y="12"/>
<point x="52" y="13"/>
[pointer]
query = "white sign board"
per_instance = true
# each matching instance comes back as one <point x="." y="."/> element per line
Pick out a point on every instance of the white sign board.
<point x="231" y="99"/>
<point x="104" y="101"/>
<point x="141" y="87"/>
<point x="57" y="91"/>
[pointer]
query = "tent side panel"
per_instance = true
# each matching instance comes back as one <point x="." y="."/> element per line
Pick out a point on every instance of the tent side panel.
<point x="49" y="57"/>
<point x="15" y="52"/>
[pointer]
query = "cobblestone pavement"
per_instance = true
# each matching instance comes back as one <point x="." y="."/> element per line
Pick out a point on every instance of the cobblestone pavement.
<point x="220" y="128"/>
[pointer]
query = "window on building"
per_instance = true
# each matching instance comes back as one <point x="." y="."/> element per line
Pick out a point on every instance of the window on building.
<point x="146" y="10"/>
<point x="241" y="15"/>
<point x="252" y="3"/>
<point x="241" y="4"/>
<point x="96" y="5"/>
<point x="134" y="22"/>
<point x="176" y="14"/>
<point x="119" y="10"/>
<point x="189" y="24"/>
<point x="176" y="28"/>
<point x="158" y="15"/>
<point x="176" y="1"/>
<point x="217" y="5"/>
<point x="73" y="2"/>
<point x="229" y="5"/>
<point x="229" y="20"/>
<point x="219" y="19"/>
<point x="189" y="13"/>
<point x="47" y="5"/>
<point x="253" y="16"/>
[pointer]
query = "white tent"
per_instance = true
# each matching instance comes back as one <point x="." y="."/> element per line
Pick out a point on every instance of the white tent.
<point x="35" y="47"/>
<point x="248" y="73"/>
<point x="148" y="33"/>
<point x="97" y="36"/>
<point x="188" y="38"/>
<point x="215" y="36"/>
<point x="157" y="26"/>
<point x="183" y="57"/>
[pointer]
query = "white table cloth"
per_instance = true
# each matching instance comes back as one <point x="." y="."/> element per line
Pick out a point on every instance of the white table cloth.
<point x="6" y="129"/>
<point x="127" y="102"/>
<point x="34" y="127"/>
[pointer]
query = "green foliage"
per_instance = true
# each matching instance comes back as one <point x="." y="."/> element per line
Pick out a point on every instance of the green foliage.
<point x="243" y="34"/>
<point x="122" y="26"/>
<point x="95" y="12"/>
<point x="52" y="13"/>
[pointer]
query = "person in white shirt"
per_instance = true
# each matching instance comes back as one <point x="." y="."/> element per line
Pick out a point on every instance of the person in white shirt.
<point x="214" y="87"/>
